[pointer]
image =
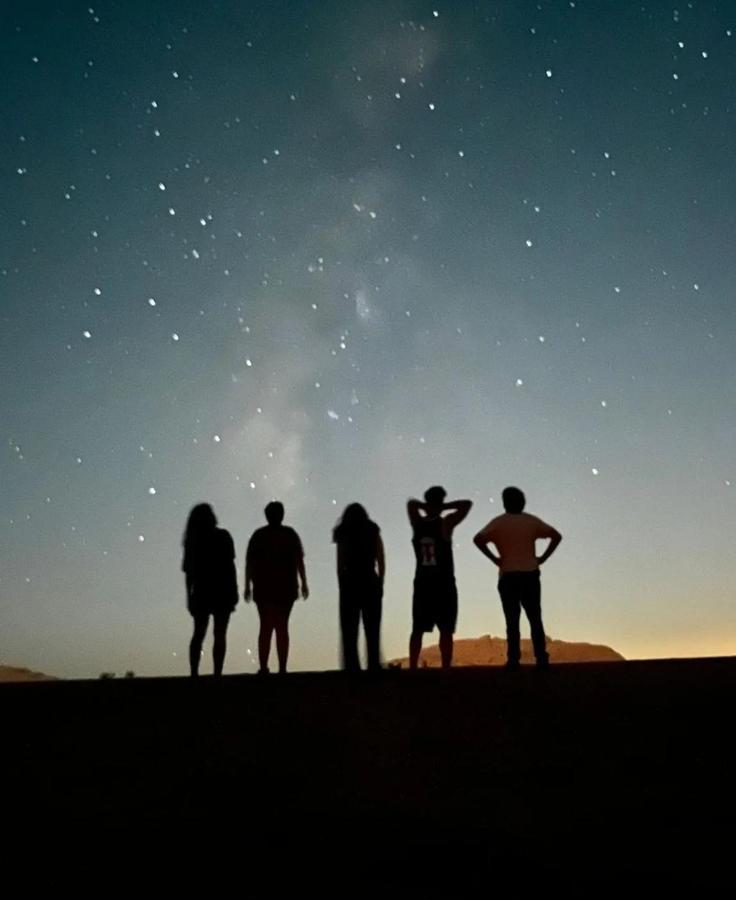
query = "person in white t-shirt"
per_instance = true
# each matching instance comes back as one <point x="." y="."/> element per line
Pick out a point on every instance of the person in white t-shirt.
<point x="515" y="534"/>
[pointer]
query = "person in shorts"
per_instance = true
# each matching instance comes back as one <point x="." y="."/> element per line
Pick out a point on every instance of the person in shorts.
<point x="274" y="571"/>
<point x="435" y="592"/>
<point x="211" y="583"/>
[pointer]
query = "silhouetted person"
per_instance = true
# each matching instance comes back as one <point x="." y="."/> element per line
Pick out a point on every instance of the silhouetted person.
<point x="273" y="561"/>
<point x="514" y="533"/>
<point x="435" y="593"/>
<point x="212" y="585"/>
<point x="361" y="567"/>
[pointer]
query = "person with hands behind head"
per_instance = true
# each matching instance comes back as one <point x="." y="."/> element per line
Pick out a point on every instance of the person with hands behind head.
<point x="434" y="601"/>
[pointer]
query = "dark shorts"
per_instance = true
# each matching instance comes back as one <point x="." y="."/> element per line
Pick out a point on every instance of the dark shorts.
<point x="278" y="609"/>
<point x="434" y="604"/>
<point x="221" y="619"/>
<point x="211" y="603"/>
<point x="274" y="598"/>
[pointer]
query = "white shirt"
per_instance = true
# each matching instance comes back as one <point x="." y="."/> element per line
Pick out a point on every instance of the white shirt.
<point x="514" y="534"/>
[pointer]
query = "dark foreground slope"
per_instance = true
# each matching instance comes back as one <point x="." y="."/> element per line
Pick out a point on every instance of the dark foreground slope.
<point x="589" y="777"/>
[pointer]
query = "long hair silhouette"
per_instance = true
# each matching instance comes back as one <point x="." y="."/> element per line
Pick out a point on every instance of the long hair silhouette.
<point x="211" y="582"/>
<point x="360" y="570"/>
<point x="201" y="524"/>
<point x="354" y="524"/>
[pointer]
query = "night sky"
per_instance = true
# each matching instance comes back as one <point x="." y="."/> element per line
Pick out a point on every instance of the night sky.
<point x="337" y="251"/>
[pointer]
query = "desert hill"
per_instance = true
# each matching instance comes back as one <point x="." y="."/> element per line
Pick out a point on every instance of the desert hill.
<point x="491" y="651"/>
<point x="16" y="673"/>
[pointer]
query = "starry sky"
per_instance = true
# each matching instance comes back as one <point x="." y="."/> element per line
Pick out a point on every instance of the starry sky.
<point x="336" y="251"/>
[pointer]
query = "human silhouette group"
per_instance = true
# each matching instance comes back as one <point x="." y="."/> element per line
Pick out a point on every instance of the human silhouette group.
<point x="275" y="577"/>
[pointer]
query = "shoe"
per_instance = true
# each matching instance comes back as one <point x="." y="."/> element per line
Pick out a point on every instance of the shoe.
<point x="512" y="666"/>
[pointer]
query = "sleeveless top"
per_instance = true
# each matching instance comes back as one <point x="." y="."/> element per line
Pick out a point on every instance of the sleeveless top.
<point x="433" y="550"/>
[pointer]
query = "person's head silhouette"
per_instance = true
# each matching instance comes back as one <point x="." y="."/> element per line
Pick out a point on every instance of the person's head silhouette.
<point x="354" y="523"/>
<point x="354" y="515"/>
<point x="514" y="500"/>
<point x="274" y="512"/>
<point x="434" y="497"/>
<point x="201" y="520"/>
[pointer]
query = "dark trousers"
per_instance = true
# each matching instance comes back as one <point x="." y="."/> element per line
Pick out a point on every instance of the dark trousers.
<point x="360" y="600"/>
<point x="522" y="590"/>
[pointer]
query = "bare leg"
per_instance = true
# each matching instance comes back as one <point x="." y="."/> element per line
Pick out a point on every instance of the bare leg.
<point x="220" y="645"/>
<point x="415" y="648"/>
<point x="195" y="645"/>
<point x="282" y="638"/>
<point x="264" y="636"/>
<point x="446" y="647"/>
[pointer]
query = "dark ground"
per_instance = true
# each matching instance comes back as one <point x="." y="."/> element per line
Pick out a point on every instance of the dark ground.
<point x="585" y="780"/>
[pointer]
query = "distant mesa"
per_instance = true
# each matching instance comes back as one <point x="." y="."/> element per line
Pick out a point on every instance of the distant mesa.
<point x="15" y="673"/>
<point x="491" y="651"/>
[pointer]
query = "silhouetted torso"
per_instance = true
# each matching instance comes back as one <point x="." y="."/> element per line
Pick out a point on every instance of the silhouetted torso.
<point x="433" y="550"/>
<point x="358" y="554"/>
<point x="514" y="534"/>
<point x="273" y="555"/>
<point x="361" y="590"/>
<point x="209" y="564"/>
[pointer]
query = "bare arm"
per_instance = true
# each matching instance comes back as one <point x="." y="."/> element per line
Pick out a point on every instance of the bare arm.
<point x="233" y="570"/>
<point x="248" y="592"/>
<point x="482" y="542"/>
<point x="235" y="594"/>
<point x="302" y="576"/>
<point x="380" y="557"/>
<point x="413" y="509"/>
<point x="458" y="511"/>
<point x="554" y="543"/>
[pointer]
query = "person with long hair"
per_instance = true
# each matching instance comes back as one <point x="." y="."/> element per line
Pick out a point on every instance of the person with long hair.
<point x="361" y="567"/>
<point x="211" y="583"/>
<point x="274" y="561"/>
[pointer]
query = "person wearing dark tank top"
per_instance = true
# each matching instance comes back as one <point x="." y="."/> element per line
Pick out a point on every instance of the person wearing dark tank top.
<point x="434" y="601"/>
